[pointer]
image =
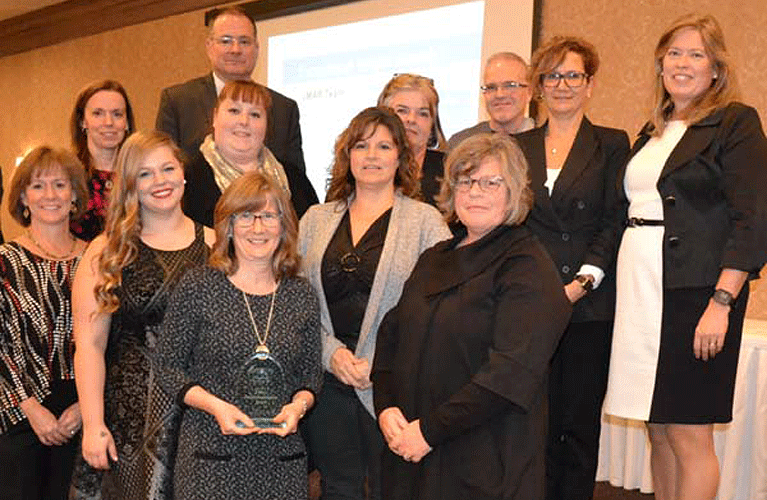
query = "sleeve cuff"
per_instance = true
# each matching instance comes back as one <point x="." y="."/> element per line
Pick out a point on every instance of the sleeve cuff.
<point x="182" y="393"/>
<point x="596" y="272"/>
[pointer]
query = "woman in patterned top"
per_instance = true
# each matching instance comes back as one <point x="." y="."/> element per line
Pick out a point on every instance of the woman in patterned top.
<point x="39" y="413"/>
<point x="119" y="300"/>
<point x="100" y="123"/>
<point x="247" y="301"/>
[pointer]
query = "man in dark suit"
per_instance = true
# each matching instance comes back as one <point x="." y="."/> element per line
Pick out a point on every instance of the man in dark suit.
<point x="186" y="109"/>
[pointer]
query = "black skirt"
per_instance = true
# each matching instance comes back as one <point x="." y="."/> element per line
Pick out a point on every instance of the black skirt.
<point x="689" y="390"/>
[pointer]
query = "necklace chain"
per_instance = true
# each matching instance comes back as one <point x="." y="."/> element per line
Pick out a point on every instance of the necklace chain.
<point x="261" y="342"/>
<point x="49" y="254"/>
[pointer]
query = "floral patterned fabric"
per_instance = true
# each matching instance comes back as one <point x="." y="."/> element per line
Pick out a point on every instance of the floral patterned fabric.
<point x="91" y="224"/>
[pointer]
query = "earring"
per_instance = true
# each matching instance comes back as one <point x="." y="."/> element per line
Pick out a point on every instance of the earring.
<point x="25" y="213"/>
<point x="73" y="208"/>
<point x="184" y="182"/>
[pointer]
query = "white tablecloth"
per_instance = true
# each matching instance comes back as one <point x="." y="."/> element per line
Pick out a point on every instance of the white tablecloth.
<point x="741" y="445"/>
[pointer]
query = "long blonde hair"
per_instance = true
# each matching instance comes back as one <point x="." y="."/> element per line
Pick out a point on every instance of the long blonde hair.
<point x="724" y="88"/>
<point x="123" y="224"/>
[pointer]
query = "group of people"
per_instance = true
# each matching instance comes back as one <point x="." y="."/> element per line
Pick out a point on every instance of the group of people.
<point x="446" y="325"/>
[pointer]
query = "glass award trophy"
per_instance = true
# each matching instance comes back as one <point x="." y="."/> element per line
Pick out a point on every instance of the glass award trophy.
<point x="261" y="388"/>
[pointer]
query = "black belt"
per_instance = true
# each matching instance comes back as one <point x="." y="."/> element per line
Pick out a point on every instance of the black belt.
<point x="638" y="221"/>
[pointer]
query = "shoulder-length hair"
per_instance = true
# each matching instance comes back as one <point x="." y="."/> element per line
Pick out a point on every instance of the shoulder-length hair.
<point x="362" y="126"/>
<point x="724" y="87"/>
<point x="79" y="137"/>
<point x="551" y="54"/>
<point x="40" y="160"/>
<point x="251" y="192"/>
<point x="123" y="223"/>
<point x="468" y="156"/>
<point x="408" y="81"/>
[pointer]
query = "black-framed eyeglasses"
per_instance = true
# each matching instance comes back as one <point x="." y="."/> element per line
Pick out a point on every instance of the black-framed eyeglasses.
<point x="247" y="219"/>
<point x="487" y="183"/>
<point x="573" y="79"/>
<point x="228" y="41"/>
<point x="492" y="88"/>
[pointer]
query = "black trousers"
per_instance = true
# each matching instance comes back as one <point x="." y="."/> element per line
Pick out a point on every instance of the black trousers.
<point x="346" y="444"/>
<point x="30" y="470"/>
<point x="577" y="388"/>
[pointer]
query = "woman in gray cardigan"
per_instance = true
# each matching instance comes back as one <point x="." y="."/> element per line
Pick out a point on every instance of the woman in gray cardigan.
<point x="358" y="249"/>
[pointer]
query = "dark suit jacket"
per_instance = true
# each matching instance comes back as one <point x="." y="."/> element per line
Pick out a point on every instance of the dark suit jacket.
<point x="186" y="114"/>
<point x="714" y="204"/>
<point x="575" y="222"/>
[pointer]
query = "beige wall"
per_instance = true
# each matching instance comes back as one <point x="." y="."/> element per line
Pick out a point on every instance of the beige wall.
<point x="38" y="87"/>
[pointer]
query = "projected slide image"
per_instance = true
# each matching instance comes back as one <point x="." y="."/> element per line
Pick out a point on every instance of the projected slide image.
<point x="335" y="72"/>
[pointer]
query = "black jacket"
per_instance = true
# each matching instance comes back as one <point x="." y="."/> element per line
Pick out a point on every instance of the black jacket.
<point x="714" y="203"/>
<point x="467" y="351"/>
<point x="575" y="221"/>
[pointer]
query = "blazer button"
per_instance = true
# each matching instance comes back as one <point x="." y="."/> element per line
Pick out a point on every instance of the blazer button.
<point x="581" y="205"/>
<point x="673" y="241"/>
<point x="565" y="237"/>
<point x="670" y="200"/>
<point x="565" y="269"/>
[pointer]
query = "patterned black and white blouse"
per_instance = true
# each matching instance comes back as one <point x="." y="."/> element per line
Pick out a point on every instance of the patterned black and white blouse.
<point x="36" y="345"/>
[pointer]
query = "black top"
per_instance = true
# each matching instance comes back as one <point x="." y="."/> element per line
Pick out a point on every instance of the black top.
<point x="432" y="172"/>
<point x="347" y="275"/>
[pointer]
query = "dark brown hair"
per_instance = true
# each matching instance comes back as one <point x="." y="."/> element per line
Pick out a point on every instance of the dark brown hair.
<point x="79" y="137"/>
<point x="342" y="182"/>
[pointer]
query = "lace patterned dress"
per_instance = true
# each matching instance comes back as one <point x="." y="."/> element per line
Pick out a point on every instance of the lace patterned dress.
<point x="142" y="418"/>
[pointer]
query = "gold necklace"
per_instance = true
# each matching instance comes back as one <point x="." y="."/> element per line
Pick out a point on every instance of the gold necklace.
<point x="49" y="254"/>
<point x="261" y="348"/>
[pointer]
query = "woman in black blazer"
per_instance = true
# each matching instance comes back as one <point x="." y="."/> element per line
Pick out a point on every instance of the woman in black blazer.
<point x="696" y="228"/>
<point x="573" y="167"/>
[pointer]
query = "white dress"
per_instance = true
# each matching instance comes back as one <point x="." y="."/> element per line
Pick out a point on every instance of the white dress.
<point x="639" y="283"/>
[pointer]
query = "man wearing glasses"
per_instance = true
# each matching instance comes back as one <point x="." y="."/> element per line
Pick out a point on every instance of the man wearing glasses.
<point x="186" y="109"/>
<point x="507" y="94"/>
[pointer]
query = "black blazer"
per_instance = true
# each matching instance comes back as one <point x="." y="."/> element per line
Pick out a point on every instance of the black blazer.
<point x="714" y="204"/>
<point x="575" y="222"/>
<point x="186" y="114"/>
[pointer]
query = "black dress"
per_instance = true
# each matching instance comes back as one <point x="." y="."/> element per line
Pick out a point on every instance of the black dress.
<point x="142" y="419"/>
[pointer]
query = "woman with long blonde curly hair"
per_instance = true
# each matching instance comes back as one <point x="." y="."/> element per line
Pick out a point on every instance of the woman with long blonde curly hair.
<point x="119" y="299"/>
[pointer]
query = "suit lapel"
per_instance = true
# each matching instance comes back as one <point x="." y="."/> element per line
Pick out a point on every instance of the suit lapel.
<point x="537" y="169"/>
<point x="581" y="153"/>
<point x="696" y="139"/>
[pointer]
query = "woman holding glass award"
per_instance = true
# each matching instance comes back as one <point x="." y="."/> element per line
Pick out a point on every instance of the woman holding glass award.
<point x="240" y="346"/>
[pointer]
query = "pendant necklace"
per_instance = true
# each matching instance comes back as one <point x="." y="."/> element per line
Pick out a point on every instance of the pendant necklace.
<point x="261" y="348"/>
<point x="49" y="254"/>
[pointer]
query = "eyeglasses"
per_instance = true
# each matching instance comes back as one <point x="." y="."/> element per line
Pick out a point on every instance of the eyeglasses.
<point x="492" y="88"/>
<point x="487" y="184"/>
<point x="573" y="79"/>
<point x="245" y="220"/>
<point x="228" y="41"/>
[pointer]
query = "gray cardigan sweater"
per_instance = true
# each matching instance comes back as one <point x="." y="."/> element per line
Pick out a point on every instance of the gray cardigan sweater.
<point x="413" y="227"/>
